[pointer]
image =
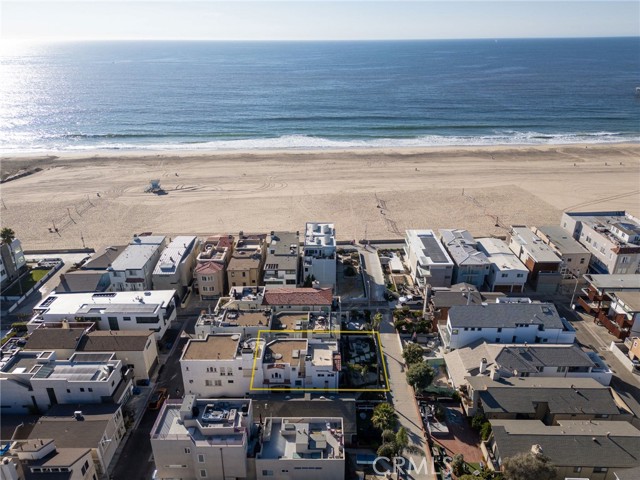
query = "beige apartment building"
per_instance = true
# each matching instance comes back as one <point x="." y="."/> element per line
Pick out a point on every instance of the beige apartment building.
<point x="211" y="267"/>
<point x="247" y="261"/>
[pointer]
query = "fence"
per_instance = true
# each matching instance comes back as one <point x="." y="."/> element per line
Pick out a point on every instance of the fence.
<point x="37" y="286"/>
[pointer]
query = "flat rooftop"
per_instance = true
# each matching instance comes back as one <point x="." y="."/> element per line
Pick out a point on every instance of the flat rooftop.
<point x="428" y="248"/>
<point x="630" y="299"/>
<point x="319" y="235"/>
<point x="500" y="255"/>
<point x="135" y="256"/>
<point x="235" y="318"/>
<point x="284" y="244"/>
<point x="214" y="347"/>
<point x="322" y="353"/>
<point x="564" y="242"/>
<point x="533" y="245"/>
<point x="174" y="254"/>
<point x="615" y="282"/>
<point x="70" y="303"/>
<point x="302" y="438"/>
<point x="285" y="351"/>
<point x="505" y="315"/>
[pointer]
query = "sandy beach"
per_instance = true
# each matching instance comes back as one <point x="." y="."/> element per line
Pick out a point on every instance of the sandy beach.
<point x="378" y="193"/>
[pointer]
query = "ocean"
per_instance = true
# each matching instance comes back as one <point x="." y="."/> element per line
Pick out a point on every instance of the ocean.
<point x="261" y="95"/>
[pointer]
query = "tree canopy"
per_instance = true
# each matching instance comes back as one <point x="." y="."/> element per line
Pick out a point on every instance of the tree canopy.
<point x="412" y="353"/>
<point x="7" y="235"/>
<point x="419" y="376"/>
<point x="384" y="417"/>
<point x="527" y="466"/>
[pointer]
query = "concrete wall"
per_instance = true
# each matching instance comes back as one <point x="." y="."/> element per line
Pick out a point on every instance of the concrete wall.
<point x="299" y="469"/>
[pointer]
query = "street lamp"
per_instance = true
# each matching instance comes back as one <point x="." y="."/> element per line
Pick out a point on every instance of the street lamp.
<point x="369" y="292"/>
<point x="575" y="288"/>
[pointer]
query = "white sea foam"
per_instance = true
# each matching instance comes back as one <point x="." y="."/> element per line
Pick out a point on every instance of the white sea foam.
<point x="303" y="142"/>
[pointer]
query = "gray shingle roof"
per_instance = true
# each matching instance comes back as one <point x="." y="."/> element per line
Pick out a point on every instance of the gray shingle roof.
<point x="115" y="341"/>
<point x="526" y="359"/>
<point x="104" y="257"/>
<point x="611" y="444"/>
<point x="507" y="399"/>
<point x="505" y="315"/>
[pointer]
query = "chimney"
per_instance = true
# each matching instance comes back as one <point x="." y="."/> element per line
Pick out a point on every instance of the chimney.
<point x="494" y="374"/>
<point x="536" y="450"/>
<point x="65" y="323"/>
<point x="483" y="365"/>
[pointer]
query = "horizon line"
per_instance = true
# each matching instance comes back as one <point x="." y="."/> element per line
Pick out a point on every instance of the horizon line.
<point x="301" y="40"/>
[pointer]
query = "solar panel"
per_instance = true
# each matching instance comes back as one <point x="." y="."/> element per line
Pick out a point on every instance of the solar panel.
<point x="433" y="250"/>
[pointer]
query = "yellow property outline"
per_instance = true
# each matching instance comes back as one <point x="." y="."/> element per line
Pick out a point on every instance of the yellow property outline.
<point x="304" y="389"/>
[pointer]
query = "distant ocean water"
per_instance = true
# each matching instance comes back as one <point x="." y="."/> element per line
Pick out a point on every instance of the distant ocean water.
<point x="245" y="95"/>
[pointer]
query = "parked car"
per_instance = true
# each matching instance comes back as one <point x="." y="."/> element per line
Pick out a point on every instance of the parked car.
<point x="157" y="399"/>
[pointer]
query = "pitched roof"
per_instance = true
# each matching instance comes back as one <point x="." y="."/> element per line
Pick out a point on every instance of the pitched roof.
<point x="527" y="358"/>
<point x="571" y="443"/>
<point x="298" y="296"/>
<point x="104" y="257"/>
<point x="114" y="341"/>
<point x="83" y="281"/>
<point x="505" y="315"/>
<point x="209" y="267"/>
<point x="54" y="338"/>
<point x="588" y="397"/>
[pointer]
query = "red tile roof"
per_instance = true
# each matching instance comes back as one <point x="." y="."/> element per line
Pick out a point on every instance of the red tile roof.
<point x="209" y="267"/>
<point x="298" y="296"/>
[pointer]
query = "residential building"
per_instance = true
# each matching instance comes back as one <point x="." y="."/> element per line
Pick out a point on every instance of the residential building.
<point x="283" y="256"/>
<point x="99" y="428"/>
<point x="319" y="254"/>
<point x="132" y="269"/>
<point x="520" y="360"/>
<point x="541" y="261"/>
<point x="103" y="258"/>
<point x="174" y="270"/>
<point x="41" y="459"/>
<point x="440" y="300"/>
<point x="38" y="380"/>
<point x="211" y="267"/>
<point x="307" y="448"/>
<point x="62" y="341"/>
<point x="12" y="262"/>
<point x="578" y="449"/>
<point x="612" y="238"/>
<point x="622" y="317"/>
<point x="240" y="312"/>
<point x="470" y="264"/>
<point x="516" y="321"/>
<point x="547" y="399"/>
<point x="297" y="363"/>
<point x="597" y="295"/>
<point x="153" y="310"/>
<point x="137" y="349"/>
<point x="507" y="273"/>
<point x="219" y="365"/>
<point x="427" y="259"/>
<point x="299" y="299"/>
<point x="634" y="349"/>
<point x="247" y="261"/>
<point x="575" y="258"/>
<point x="204" y="438"/>
<point x="224" y="365"/>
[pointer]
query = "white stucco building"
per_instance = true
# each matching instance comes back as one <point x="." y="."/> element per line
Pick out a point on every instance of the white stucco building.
<point x="38" y="380"/>
<point x="283" y="256"/>
<point x="319" y="253"/>
<point x="133" y="268"/>
<point x="512" y="322"/>
<point x="174" y="270"/>
<point x="203" y="438"/>
<point x="150" y="310"/>
<point x="507" y="273"/>
<point x="427" y="259"/>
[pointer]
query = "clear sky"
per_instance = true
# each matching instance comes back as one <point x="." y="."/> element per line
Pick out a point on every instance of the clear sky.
<point x="315" y="20"/>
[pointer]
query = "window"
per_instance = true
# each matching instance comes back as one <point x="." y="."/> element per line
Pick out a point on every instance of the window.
<point x="230" y="371"/>
<point x="200" y="458"/>
<point x="208" y="383"/>
<point x="218" y="383"/>
<point x="187" y="450"/>
<point x="600" y="469"/>
<point x="520" y="275"/>
<point x="81" y="389"/>
<point x="126" y="319"/>
<point x="203" y="473"/>
<point x="244" y="274"/>
<point x="561" y="369"/>
<point x="267" y="473"/>
<point x="229" y="381"/>
<point x="147" y="319"/>
<point x="497" y="340"/>
<point x="68" y="390"/>
<point x="212" y="369"/>
<point x="602" y="415"/>
<point x="577" y="469"/>
<point x="582" y="261"/>
<point x="90" y="389"/>
<point x="504" y="275"/>
<point x="499" y="329"/>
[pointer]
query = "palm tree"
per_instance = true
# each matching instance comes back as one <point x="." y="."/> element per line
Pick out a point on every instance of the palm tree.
<point x="377" y="320"/>
<point x="384" y="417"/>
<point x="7" y="235"/>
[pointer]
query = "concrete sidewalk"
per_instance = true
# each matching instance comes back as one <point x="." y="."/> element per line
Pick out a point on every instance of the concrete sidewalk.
<point x="403" y="398"/>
